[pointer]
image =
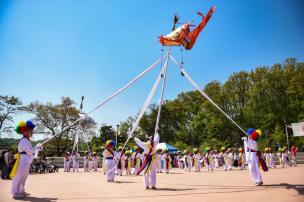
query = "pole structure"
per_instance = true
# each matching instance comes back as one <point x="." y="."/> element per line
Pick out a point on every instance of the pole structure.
<point x="161" y="95"/>
<point x="204" y="94"/>
<point x="109" y="98"/>
<point x="146" y="104"/>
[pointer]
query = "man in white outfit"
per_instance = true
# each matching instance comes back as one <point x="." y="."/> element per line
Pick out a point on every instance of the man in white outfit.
<point x="159" y="161"/>
<point x="251" y="148"/>
<point x="86" y="161"/>
<point x="167" y="160"/>
<point x="179" y="160"/>
<point x="66" y="162"/>
<point x="271" y="159"/>
<point x="230" y="158"/>
<point x="109" y="156"/>
<point x="26" y="152"/>
<point x="121" y="161"/>
<point x="75" y="156"/>
<point x="149" y="165"/>
<point x="197" y="160"/>
<point x="95" y="161"/>
<point x="136" y="159"/>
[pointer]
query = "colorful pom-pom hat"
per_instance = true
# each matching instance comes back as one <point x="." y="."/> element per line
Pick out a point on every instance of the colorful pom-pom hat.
<point x="23" y="126"/>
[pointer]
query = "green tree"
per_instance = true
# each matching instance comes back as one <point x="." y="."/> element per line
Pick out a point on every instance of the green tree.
<point x="9" y="107"/>
<point x="52" y="119"/>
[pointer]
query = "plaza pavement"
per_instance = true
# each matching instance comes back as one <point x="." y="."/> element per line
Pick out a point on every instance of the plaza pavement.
<point x="280" y="184"/>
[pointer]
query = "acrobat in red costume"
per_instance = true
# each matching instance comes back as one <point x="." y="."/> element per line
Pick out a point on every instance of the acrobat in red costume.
<point x="182" y="35"/>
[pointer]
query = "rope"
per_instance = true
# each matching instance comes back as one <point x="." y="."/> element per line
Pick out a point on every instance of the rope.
<point x="147" y="102"/>
<point x="162" y="94"/>
<point x="142" y="111"/>
<point x="109" y="98"/>
<point x="204" y="94"/>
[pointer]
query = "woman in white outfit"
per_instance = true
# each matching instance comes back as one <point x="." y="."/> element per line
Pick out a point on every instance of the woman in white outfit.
<point x="75" y="156"/>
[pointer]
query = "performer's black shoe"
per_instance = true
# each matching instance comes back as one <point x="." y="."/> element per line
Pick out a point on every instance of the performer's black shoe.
<point x="153" y="187"/>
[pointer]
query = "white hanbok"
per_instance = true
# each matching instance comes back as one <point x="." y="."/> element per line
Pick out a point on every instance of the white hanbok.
<point x="252" y="159"/>
<point x="149" y="172"/>
<point x="24" y="147"/>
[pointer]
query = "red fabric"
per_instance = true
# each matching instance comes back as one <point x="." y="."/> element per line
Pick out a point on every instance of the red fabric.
<point x="192" y="36"/>
<point x="254" y="135"/>
<point x="167" y="162"/>
<point x="187" y="38"/>
<point x="293" y="151"/>
<point x="145" y="163"/>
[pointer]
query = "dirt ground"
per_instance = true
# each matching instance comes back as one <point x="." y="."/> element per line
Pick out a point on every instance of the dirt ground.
<point x="280" y="184"/>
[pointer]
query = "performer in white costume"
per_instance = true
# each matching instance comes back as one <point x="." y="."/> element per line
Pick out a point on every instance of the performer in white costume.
<point x="167" y="160"/>
<point x="25" y="157"/>
<point x="95" y="161"/>
<point x="216" y="159"/>
<point x="271" y="159"/>
<point x="197" y="161"/>
<point x="136" y="159"/>
<point x="86" y="161"/>
<point x="253" y="156"/>
<point x="149" y="164"/>
<point x="159" y="161"/>
<point x="75" y="161"/>
<point x="230" y="158"/>
<point x="187" y="161"/>
<point x="127" y="162"/>
<point x="242" y="159"/>
<point x="109" y="156"/>
<point x="66" y="162"/>
<point x="208" y="160"/>
<point x="179" y="160"/>
<point x="121" y="161"/>
<point x="285" y="158"/>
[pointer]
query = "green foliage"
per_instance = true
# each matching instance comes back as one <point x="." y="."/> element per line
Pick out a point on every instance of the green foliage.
<point x="266" y="98"/>
<point x="51" y="119"/>
<point x="9" y="106"/>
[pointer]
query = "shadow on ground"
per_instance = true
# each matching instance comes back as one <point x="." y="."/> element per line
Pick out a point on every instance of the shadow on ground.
<point x="298" y="187"/>
<point x="36" y="199"/>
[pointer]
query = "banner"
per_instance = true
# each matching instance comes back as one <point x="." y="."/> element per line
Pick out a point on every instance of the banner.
<point x="298" y="129"/>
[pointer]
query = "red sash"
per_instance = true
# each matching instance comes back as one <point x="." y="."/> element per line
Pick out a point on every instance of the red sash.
<point x="167" y="162"/>
<point x="119" y="161"/>
<point x="135" y="162"/>
<point x="146" y="163"/>
<point x="261" y="160"/>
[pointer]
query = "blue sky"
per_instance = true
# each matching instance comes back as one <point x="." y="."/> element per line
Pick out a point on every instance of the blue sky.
<point x="50" y="49"/>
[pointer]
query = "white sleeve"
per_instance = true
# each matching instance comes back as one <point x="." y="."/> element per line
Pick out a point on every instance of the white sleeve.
<point x="140" y="143"/>
<point x="25" y="146"/>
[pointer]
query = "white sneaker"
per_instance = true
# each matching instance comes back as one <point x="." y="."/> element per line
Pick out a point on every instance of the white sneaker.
<point x="18" y="196"/>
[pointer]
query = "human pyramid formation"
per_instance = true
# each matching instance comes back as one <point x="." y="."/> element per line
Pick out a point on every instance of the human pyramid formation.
<point x="146" y="160"/>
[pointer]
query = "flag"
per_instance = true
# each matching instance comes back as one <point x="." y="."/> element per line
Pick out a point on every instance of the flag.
<point x="298" y="129"/>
